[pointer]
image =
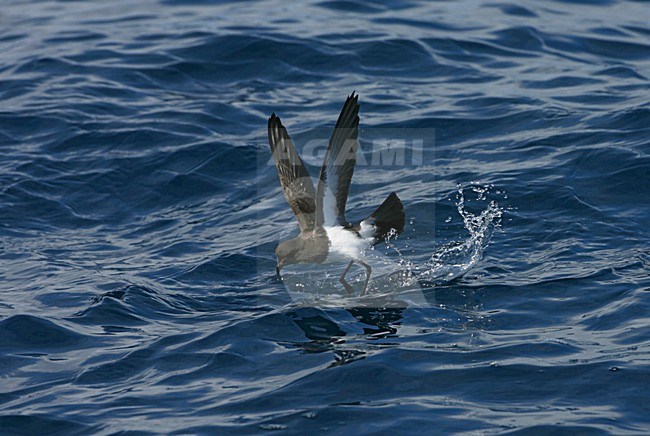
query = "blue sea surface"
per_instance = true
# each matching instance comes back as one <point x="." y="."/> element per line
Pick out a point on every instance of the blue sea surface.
<point x="140" y="211"/>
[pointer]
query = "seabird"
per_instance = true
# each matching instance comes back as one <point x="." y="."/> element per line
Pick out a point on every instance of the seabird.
<point x="325" y="234"/>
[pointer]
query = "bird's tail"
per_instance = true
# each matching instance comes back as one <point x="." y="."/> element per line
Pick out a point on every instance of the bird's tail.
<point x="389" y="217"/>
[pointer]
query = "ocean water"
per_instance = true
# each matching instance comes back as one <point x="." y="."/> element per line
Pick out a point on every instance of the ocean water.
<point x="139" y="216"/>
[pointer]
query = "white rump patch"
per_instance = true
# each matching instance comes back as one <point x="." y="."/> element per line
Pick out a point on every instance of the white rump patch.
<point x="367" y="230"/>
<point x="345" y="244"/>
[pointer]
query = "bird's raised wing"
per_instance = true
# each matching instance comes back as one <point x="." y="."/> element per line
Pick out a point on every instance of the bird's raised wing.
<point x="294" y="177"/>
<point x="338" y="166"/>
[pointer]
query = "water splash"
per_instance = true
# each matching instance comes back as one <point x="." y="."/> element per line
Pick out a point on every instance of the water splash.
<point x="394" y="274"/>
<point x="454" y="259"/>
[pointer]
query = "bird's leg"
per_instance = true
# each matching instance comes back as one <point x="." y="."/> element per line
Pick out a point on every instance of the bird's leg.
<point x="368" y="271"/>
<point x="349" y="289"/>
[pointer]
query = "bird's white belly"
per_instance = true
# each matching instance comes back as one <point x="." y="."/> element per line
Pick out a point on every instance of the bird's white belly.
<point x="344" y="244"/>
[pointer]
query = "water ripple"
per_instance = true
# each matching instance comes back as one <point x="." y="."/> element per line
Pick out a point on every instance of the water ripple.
<point x="139" y="213"/>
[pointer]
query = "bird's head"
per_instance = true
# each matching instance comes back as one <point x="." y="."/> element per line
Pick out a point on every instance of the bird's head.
<point x="287" y="253"/>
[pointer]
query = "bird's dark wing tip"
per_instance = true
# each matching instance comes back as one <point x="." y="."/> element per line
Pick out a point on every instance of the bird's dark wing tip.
<point x="352" y="101"/>
<point x="274" y="121"/>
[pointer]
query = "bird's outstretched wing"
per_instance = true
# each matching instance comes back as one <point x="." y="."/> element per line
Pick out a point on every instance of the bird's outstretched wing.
<point x="294" y="177"/>
<point x="338" y="166"/>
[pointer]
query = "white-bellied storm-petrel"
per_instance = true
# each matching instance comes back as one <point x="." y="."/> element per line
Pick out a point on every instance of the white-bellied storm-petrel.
<point x="325" y="234"/>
